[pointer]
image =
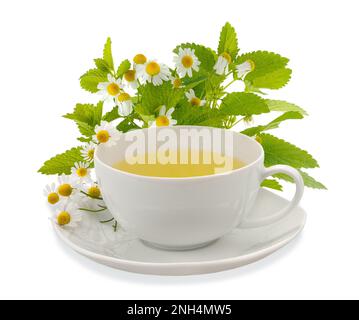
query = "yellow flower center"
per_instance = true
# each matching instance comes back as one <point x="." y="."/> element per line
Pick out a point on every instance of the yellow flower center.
<point x="153" y="68"/>
<point x="113" y="89"/>
<point x="162" y="121"/>
<point x="63" y="218"/>
<point x="123" y="97"/>
<point x="103" y="136"/>
<point x="91" y="153"/>
<point x="130" y="75"/>
<point x="187" y="61"/>
<point x="81" y="172"/>
<point x="53" y="198"/>
<point x="196" y="101"/>
<point x="140" y="59"/>
<point x="65" y="190"/>
<point x="177" y="83"/>
<point x="226" y="56"/>
<point x="94" y="192"/>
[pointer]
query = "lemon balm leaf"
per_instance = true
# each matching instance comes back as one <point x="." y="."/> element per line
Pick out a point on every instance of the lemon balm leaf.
<point x="270" y="69"/>
<point x="280" y="105"/>
<point x="264" y="62"/>
<point x="107" y="53"/>
<point x="84" y="139"/>
<point x="62" y="163"/>
<point x="85" y="129"/>
<point x="87" y="113"/>
<point x="123" y="68"/>
<point x="273" y="124"/>
<point x="111" y="115"/>
<point x="228" y="41"/>
<point x="90" y="80"/>
<point x="274" y="80"/>
<point x="102" y="65"/>
<point x="278" y="151"/>
<point x="186" y="114"/>
<point x="154" y="97"/>
<point x="126" y="125"/>
<point x="86" y="116"/>
<point x="244" y="104"/>
<point x="309" y="181"/>
<point x="272" y="184"/>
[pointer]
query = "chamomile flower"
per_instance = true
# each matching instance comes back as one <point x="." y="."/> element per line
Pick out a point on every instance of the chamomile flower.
<point x="106" y="134"/>
<point x="111" y="88"/>
<point x="130" y="77"/>
<point x="244" y="68"/>
<point x="176" y="82"/>
<point x="88" y="151"/>
<point x="50" y="192"/>
<point x="92" y="189"/>
<point x="222" y="63"/>
<point x="67" y="215"/>
<point x="81" y="172"/>
<point x="193" y="100"/>
<point x="139" y="59"/>
<point x="186" y="61"/>
<point x="164" y="118"/>
<point x="68" y="186"/>
<point x="125" y="104"/>
<point x="91" y="197"/>
<point x="153" y="72"/>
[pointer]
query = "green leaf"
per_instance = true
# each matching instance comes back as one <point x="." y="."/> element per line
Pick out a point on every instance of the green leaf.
<point x="123" y="68"/>
<point x="90" y="80"/>
<point x="205" y="55"/>
<point x="186" y="114"/>
<point x="244" y="104"/>
<point x="273" y="124"/>
<point x="193" y="82"/>
<point x="274" y="80"/>
<point x="156" y="96"/>
<point x="107" y="53"/>
<point x="85" y="129"/>
<point x="270" y="69"/>
<point x="308" y="180"/>
<point x="279" y="105"/>
<point x="62" y="163"/>
<point x="272" y="184"/>
<point x="84" y="139"/>
<point x="228" y="41"/>
<point x="127" y="124"/>
<point x="278" y="151"/>
<point x="102" y="65"/>
<point x="87" y="113"/>
<point x="111" y="115"/>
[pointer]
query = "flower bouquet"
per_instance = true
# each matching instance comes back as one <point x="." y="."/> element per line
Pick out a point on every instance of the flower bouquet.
<point x="143" y="92"/>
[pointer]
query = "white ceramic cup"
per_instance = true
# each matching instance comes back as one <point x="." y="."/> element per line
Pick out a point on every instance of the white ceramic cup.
<point x="186" y="213"/>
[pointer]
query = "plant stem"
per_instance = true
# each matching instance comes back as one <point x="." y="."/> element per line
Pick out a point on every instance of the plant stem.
<point x="233" y="81"/>
<point x="94" y="211"/>
<point x="107" y="221"/>
<point x="115" y="226"/>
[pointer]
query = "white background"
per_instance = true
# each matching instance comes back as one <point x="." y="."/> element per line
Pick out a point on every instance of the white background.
<point x="47" y="45"/>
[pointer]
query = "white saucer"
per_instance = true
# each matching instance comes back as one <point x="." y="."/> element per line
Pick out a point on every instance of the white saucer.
<point x="122" y="251"/>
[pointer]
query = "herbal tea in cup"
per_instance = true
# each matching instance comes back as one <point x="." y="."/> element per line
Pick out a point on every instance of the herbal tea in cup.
<point x="182" y="163"/>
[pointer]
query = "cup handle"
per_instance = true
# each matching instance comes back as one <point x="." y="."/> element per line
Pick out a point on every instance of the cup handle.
<point x="298" y="180"/>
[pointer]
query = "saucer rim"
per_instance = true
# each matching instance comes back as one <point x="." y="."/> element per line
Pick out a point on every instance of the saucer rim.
<point x="169" y="268"/>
